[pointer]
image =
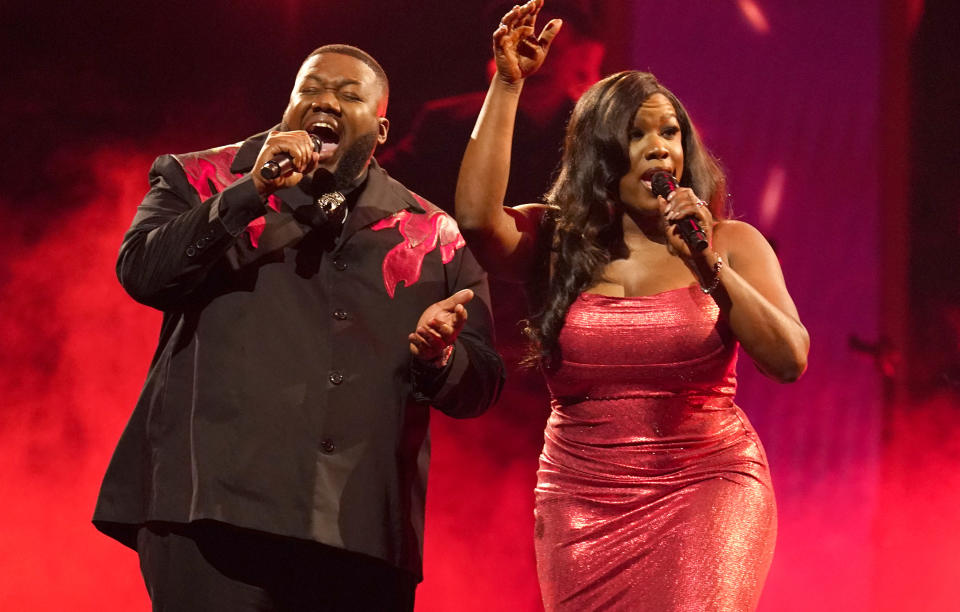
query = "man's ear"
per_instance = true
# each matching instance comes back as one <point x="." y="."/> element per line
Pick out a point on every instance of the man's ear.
<point x="383" y="128"/>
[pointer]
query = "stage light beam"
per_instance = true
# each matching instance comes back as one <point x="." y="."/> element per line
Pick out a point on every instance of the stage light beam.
<point x="754" y="16"/>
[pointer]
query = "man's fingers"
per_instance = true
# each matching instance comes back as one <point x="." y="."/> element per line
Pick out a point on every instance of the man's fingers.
<point x="431" y="332"/>
<point x="448" y="326"/>
<point x="444" y="330"/>
<point x="421" y="343"/>
<point x="421" y="348"/>
<point x="417" y="345"/>
<point x="428" y="337"/>
<point x="460" y="297"/>
<point x="443" y="323"/>
<point x="460" y="314"/>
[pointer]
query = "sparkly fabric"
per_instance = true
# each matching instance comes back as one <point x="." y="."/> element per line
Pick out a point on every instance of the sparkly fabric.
<point x="653" y="491"/>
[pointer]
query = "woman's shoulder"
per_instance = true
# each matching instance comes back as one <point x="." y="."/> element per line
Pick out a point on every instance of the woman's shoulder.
<point x="535" y="209"/>
<point x="734" y="231"/>
<point x="531" y="217"/>
<point x="733" y="238"/>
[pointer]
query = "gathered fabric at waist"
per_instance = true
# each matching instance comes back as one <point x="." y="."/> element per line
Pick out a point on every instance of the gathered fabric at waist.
<point x="649" y="435"/>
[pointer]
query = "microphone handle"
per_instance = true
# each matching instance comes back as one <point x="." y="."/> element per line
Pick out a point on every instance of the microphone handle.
<point x="282" y="163"/>
<point x="664" y="185"/>
<point x="692" y="234"/>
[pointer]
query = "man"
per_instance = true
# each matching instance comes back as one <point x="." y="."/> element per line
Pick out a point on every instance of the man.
<point x="277" y="457"/>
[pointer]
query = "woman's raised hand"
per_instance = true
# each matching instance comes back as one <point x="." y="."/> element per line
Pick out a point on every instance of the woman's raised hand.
<point x="516" y="48"/>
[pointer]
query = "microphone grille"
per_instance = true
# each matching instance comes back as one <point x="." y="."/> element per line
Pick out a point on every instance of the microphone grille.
<point x="662" y="183"/>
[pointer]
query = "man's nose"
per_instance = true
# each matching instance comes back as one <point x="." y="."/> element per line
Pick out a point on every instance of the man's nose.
<point x="326" y="101"/>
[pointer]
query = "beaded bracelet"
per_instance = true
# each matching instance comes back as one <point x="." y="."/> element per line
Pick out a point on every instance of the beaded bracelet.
<point x="716" y="276"/>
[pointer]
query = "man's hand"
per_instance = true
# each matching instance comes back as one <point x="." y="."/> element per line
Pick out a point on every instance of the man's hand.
<point x="297" y="145"/>
<point x="439" y="326"/>
<point x="516" y="48"/>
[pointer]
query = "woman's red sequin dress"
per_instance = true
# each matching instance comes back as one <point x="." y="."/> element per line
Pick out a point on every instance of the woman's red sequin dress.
<point x="653" y="491"/>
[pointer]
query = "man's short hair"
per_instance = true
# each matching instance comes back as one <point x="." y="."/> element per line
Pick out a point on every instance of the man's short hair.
<point x="361" y="55"/>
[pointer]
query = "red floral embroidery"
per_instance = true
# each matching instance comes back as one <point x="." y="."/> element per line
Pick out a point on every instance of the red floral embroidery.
<point x="255" y="228"/>
<point x="421" y="234"/>
<point x="209" y="172"/>
<point x="210" y="167"/>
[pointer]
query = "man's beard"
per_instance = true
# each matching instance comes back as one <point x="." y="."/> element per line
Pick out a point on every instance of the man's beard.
<point x="353" y="161"/>
<point x="344" y="177"/>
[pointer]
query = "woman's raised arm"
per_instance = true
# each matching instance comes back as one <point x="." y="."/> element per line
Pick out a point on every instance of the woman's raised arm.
<point x="502" y="238"/>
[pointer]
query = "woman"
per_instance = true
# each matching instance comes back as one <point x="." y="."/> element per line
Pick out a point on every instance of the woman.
<point x="653" y="490"/>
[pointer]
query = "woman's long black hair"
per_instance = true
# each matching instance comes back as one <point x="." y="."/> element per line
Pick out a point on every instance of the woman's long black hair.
<point x="587" y="217"/>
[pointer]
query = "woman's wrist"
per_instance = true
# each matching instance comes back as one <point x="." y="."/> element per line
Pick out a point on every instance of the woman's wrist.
<point x="708" y="267"/>
<point x="508" y="83"/>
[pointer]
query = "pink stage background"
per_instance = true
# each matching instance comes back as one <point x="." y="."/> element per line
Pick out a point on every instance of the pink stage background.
<point x="810" y="105"/>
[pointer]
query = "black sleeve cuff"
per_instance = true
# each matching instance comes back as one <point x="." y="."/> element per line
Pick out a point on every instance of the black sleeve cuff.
<point x="240" y="203"/>
<point x="431" y="384"/>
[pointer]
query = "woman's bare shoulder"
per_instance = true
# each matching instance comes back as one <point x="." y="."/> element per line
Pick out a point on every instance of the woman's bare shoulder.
<point x="741" y="242"/>
<point x="732" y="234"/>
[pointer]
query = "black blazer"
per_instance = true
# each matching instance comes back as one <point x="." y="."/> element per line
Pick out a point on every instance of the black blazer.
<point x="282" y="396"/>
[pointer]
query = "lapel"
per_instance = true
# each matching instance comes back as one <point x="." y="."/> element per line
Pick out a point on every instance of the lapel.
<point x="382" y="197"/>
<point x="243" y="162"/>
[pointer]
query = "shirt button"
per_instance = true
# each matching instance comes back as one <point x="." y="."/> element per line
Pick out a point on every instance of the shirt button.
<point x="340" y="314"/>
<point x="328" y="446"/>
<point x="339" y="264"/>
<point x="336" y="377"/>
<point x="191" y="251"/>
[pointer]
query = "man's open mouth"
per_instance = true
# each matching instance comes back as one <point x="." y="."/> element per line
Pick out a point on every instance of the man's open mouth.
<point x="327" y="133"/>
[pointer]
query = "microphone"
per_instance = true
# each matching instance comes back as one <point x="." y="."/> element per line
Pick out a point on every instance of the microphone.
<point x="663" y="184"/>
<point x="282" y="163"/>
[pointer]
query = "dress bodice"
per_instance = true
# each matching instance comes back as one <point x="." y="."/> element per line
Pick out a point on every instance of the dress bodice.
<point x="669" y="343"/>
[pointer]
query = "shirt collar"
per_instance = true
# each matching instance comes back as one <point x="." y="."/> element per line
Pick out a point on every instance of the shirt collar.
<point x="378" y="197"/>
